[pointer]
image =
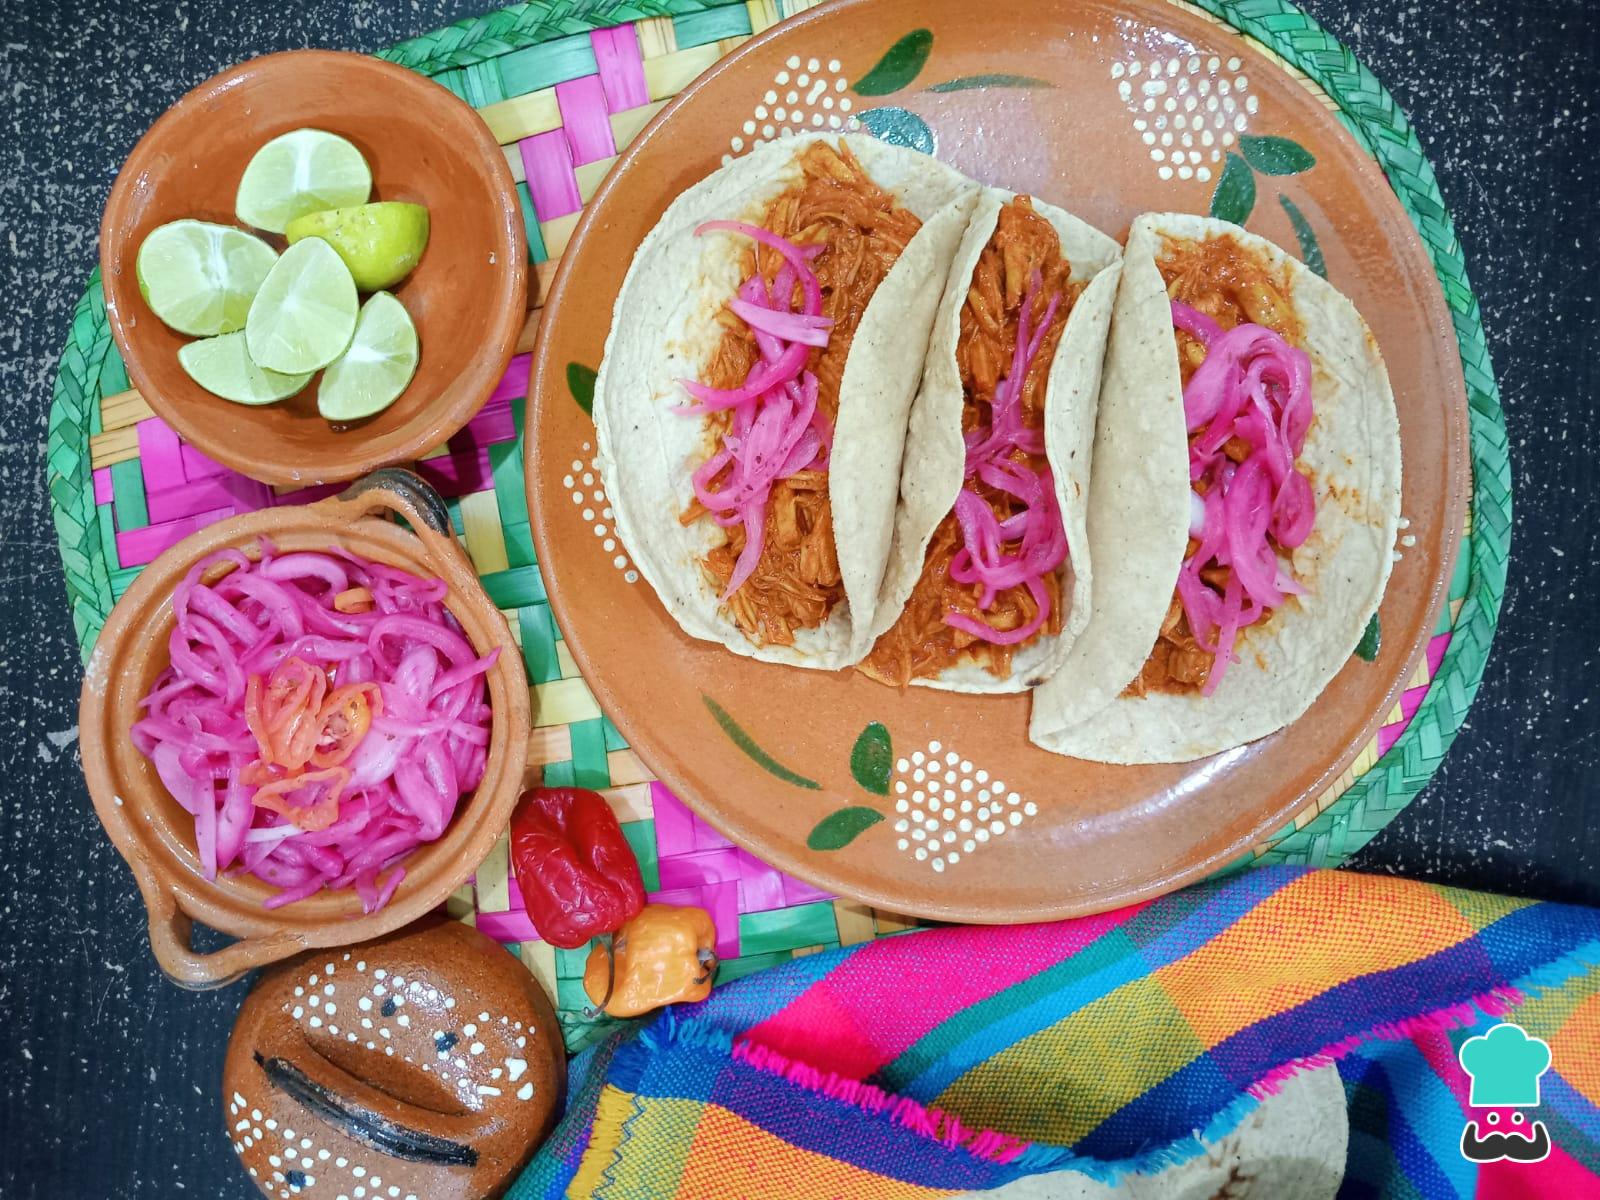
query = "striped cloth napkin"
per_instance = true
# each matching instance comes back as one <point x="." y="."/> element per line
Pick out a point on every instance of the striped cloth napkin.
<point x="959" y="1059"/>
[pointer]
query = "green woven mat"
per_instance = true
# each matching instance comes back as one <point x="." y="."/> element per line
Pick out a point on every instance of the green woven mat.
<point x="507" y="63"/>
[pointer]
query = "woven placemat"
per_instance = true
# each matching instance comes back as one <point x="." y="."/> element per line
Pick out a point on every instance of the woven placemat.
<point x="564" y="85"/>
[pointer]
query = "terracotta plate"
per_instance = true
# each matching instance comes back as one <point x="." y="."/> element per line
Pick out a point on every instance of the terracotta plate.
<point x="1108" y="110"/>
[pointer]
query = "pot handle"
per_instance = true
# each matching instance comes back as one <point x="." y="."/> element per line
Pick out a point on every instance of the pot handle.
<point x="404" y="492"/>
<point x="171" y="934"/>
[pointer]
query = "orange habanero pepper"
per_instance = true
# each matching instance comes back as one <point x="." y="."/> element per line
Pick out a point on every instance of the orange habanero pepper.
<point x="664" y="955"/>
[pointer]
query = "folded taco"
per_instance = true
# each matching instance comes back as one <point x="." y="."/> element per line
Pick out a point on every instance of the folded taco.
<point x="1245" y="503"/>
<point x="752" y="403"/>
<point x="988" y="576"/>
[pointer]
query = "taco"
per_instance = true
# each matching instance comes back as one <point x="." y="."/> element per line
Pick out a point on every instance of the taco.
<point x="1245" y="503"/>
<point x="989" y="573"/>
<point x="752" y="403"/>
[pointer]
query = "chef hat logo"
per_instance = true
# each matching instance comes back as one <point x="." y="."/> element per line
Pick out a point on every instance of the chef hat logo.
<point x="1505" y="1065"/>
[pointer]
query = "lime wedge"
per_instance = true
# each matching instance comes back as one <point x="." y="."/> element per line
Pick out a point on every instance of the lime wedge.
<point x="380" y="243"/>
<point x="298" y="173"/>
<point x="305" y="311"/>
<point x="223" y="366"/>
<point x="200" y="278"/>
<point x="371" y="374"/>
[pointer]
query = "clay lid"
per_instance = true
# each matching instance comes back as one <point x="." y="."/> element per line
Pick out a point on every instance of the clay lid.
<point x="468" y="296"/>
<point x="426" y="1064"/>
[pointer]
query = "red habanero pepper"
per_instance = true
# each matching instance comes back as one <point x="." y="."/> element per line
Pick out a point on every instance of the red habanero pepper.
<point x="576" y="871"/>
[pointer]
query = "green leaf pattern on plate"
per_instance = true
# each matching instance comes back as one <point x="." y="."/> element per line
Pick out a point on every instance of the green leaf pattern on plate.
<point x="872" y="760"/>
<point x="899" y="128"/>
<point x="1310" y="248"/>
<point x="1276" y="155"/>
<point x="1367" y="648"/>
<point x="1235" y="197"/>
<point x="841" y="827"/>
<point x="760" y="757"/>
<point x="900" y="64"/>
<point x="966" y="83"/>
<point x="580" y="382"/>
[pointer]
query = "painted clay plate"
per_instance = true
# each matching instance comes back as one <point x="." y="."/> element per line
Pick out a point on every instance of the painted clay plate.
<point x="1108" y="110"/>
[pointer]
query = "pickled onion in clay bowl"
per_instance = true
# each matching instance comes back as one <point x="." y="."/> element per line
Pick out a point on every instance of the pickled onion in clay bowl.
<point x="277" y="910"/>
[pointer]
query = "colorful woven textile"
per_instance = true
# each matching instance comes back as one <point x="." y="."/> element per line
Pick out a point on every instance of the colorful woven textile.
<point x="964" y="1058"/>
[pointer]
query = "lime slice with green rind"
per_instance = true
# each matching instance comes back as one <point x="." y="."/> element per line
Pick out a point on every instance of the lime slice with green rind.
<point x="305" y="313"/>
<point x="223" y="366"/>
<point x="378" y="366"/>
<point x="381" y="243"/>
<point x="200" y="278"/>
<point x="301" y="172"/>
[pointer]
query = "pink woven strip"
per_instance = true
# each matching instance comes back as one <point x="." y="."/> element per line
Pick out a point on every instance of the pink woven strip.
<point x="160" y="456"/>
<point x="585" y="118"/>
<point x="309" y="495"/>
<point x="616" y="52"/>
<point x="692" y="870"/>
<point x="1412" y="698"/>
<point x="136" y="547"/>
<point x="197" y="465"/>
<point x="513" y="384"/>
<point x="760" y="886"/>
<point x="493" y="423"/>
<point x="1436" y="648"/>
<point x="547" y="162"/>
<point x="102" y="486"/>
<point x="798" y="891"/>
<point x="229" y="490"/>
<point x="507" y="926"/>
<point x="721" y="900"/>
<point x="679" y="831"/>
<point x="459" y="474"/>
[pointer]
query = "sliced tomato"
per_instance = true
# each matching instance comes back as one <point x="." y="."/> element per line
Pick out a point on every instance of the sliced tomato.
<point x="284" y="711"/>
<point x="344" y="720"/>
<point x="353" y="600"/>
<point x="309" y="800"/>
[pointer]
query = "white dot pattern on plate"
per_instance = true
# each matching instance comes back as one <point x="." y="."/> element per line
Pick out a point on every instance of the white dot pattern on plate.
<point x="950" y="807"/>
<point x="807" y="96"/>
<point x="1187" y="108"/>
<point x="586" y="475"/>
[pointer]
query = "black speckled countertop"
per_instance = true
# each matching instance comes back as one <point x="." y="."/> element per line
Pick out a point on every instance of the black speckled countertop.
<point x="111" y="1074"/>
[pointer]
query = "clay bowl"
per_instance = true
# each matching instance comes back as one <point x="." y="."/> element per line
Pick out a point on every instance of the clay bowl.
<point x="156" y="836"/>
<point x="468" y="296"/>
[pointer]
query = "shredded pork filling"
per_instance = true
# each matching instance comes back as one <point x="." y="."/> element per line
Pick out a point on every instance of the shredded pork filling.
<point x="1228" y="283"/>
<point x="921" y="644"/>
<point x="835" y="205"/>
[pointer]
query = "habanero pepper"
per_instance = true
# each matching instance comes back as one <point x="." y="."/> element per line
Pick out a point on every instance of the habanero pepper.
<point x="665" y="955"/>
<point x="576" y="871"/>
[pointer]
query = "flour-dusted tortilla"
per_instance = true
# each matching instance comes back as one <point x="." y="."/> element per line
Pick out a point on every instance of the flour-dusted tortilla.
<point x="935" y="455"/>
<point x="666" y="326"/>
<point x="1139" y="517"/>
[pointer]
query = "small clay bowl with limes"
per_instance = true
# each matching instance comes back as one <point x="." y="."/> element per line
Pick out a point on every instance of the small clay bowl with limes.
<point x="468" y="296"/>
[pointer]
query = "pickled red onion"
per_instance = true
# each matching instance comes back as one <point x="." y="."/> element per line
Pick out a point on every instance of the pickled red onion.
<point x="777" y="429"/>
<point x="1252" y="386"/>
<point x="400" y="785"/>
<point x="993" y="452"/>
